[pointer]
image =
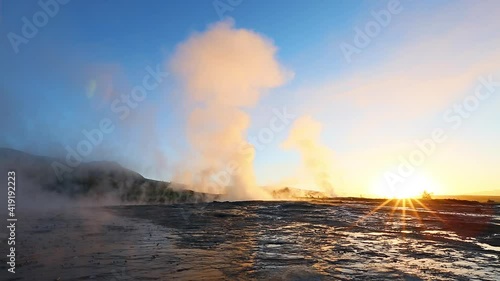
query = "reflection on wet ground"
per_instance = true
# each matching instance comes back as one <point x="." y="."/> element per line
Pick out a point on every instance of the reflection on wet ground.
<point x="335" y="240"/>
<point x="315" y="240"/>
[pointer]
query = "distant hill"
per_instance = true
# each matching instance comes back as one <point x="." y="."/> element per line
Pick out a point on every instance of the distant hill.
<point x="478" y="198"/>
<point x="495" y="192"/>
<point x="95" y="180"/>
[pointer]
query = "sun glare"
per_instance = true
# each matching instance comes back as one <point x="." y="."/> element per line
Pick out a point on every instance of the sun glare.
<point x="411" y="187"/>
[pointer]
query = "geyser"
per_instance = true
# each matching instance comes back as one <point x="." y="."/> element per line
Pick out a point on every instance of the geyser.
<point x="223" y="71"/>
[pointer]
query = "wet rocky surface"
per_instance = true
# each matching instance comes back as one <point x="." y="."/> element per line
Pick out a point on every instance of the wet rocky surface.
<point x="274" y="240"/>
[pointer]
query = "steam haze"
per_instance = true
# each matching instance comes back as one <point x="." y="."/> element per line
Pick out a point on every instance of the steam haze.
<point x="317" y="158"/>
<point x="224" y="71"/>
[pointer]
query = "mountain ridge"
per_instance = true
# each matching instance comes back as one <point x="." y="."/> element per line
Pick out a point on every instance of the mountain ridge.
<point x="96" y="179"/>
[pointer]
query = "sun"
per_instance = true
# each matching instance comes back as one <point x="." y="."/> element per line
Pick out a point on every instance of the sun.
<point x="411" y="187"/>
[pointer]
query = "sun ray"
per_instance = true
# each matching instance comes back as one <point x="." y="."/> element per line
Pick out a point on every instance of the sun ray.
<point x="432" y="212"/>
<point x="370" y="213"/>
<point x="404" y="204"/>
<point x="417" y="215"/>
<point x="403" y="217"/>
<point x="394" y="206"/>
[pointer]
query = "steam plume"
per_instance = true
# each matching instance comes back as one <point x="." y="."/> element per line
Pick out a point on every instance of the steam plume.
<point x="223" y="71"/>
<point x="317" y="158"/>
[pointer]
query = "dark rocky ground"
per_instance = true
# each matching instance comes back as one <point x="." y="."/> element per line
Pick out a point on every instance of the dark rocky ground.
<point x="308" y="240"/>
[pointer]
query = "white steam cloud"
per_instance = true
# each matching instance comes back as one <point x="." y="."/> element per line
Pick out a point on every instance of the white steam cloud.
<point x="317" y="158"/>
<point x="224" y="70"/>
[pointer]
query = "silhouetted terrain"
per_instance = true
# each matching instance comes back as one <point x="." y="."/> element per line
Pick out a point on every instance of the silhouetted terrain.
<point x="97" y="180"/>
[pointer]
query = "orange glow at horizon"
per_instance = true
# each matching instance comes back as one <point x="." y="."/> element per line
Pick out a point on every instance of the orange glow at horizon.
<point x="412" y="187"/>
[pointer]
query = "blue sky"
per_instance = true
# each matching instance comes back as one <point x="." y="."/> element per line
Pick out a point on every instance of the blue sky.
<point x="47" y="97"/>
